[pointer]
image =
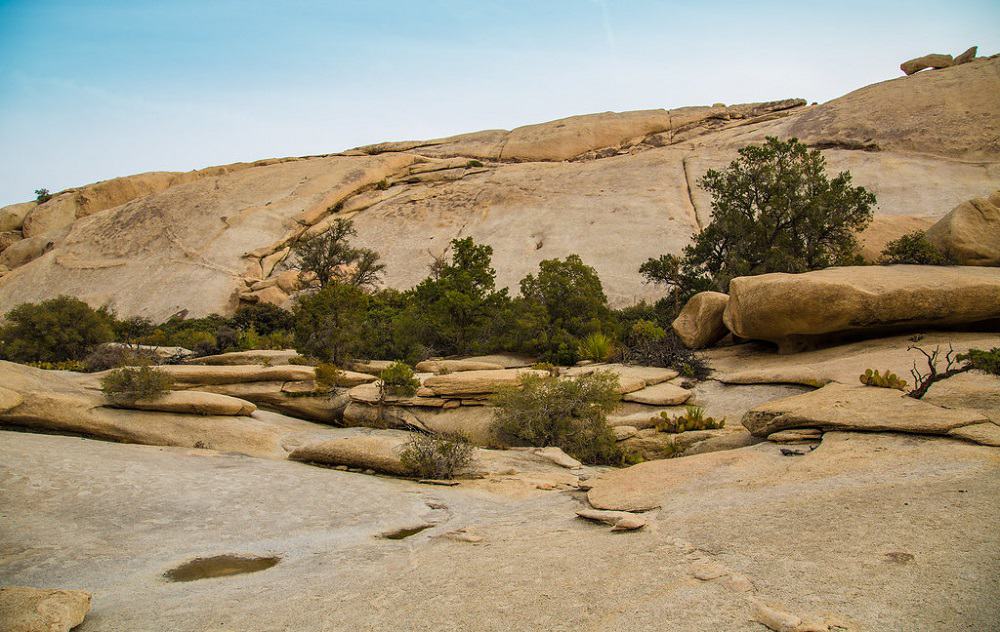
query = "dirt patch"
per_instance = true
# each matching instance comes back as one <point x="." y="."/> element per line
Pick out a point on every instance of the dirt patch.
<point x="219" y="566"/>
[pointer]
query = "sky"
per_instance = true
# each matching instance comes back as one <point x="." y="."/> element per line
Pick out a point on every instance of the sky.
<point x="94" y="89"/>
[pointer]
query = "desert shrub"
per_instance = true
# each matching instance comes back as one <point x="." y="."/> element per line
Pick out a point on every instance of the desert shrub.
<point x="398" y="381"/>
<point x="646" y="347"/>
<point x="108" y="356"/>
<point x="55" y="330"/>
<point x="773" y="210"/>
<point x="263" y="318"/>
<point x="126" y="385"/>
<point x="329" y="323"/>
<point x="42" y="196"/>
<point x="437" y="456"/>
<point x="560" y="306"/>
<point x="66" y="365"/>
<point x="693" y="419"/>
<point x="546" y="366"/>
<point x="914" y="248"/>
<point x="473" y="163"/>
<point x="596" y="347"/>
<point x="882" y="380"/>
<point x="954" y="363"/>
<point x="329" y="375"/>
<point x="333" y="260"/>
<point x="983" y="361"/>
<point x="301" y="360"/>
<point x="131" y="330"/>
<point x="567" y="413"/>
<point x="278" y="340"/>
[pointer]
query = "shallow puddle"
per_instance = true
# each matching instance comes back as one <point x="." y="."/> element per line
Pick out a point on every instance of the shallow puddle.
<point x="219" y="566"/>
<point x="399" y="534"/>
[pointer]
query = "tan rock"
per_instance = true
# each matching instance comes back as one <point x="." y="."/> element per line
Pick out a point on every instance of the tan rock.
<point x="25" y="250"/>
<point x="861" y="408"/>
<point x="369" y="394"/>
<point x="775" y="619"/>
<point x="557" y="456"/>
<point x="273" y="295"/>
<point x="288" y="398"/>
<point x="987" y="433"/>
<point x="9" y="399"/>
<point x="256" y="356"/>
<point x="885" y="228"/>
<point x="624" y="432"/>
<point x="700" y="322"/>
<point x="288" y="281"/>
<point x="970" y="233"/>
<point x="631" y="378"/>
<point x="799" y="435"/>
<point x="476" y="382"/>
<point x="664" y="394"/>
<point x="796" y="310"/>
<point x="934" y="60"/>
<point x="9" y="238"/>
<point x="967" y="56"/>
<point x="638" y="420"/>
<point x="455" y="366"/>
<point x="191" y="374"/>
<point x="12" y="217"/>
<point x="378" y="451"/>
<point x="193" y="403"/>
<point x="620" y="520"/>
<point x="24" y="609"/>
<point x="372" y="367"/>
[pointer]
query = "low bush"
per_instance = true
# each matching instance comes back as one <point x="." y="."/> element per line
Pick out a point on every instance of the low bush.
<point x="596" y="347"/>
<point x="646" y="347"/>
<point x="126" y="385"/>
<point x="914" y="248"/>
<point x="55" y="330"/>
<point x="328" y="375"/>
<point x="693" y="419"/>
<point x="437" y="456"/>
<point x="110" y="356"/>
<point x="570" y="414"/>
<point x="42" y="196"/>
<point x="66" y="365"/>
<point x="398" y="381"/>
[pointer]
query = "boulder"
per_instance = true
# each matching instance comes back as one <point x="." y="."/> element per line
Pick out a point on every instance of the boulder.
<point x="189" y="374"/>
<point x="8" y="238"/>
<point x="970" y="233"/>
<point x="800" y="435"/>
<point x="25" y="250"/>
<point x="630" y="378"/>
<point x="12" y="217"/>
<point x="456" y="366"/>
<point x="700" y="322"/>
<point x="857" y="408"/>
<point x="369" y="394"/>
<point x="934" y="60"/>
<point x="664" y="394"/>
<point x="378" y="450"/>
<point x="256" y="356"/>
<point x="372" y="367"/>
<point x="638" y="420"/>
<point x="477" y="382"/>
<point x="9" y="399"/>
<point x="557" y="456"/>
<point x="193" y="403"/>
<point x="619" y="520"/>
<point x="24" y="609"/>
<point x="290" y="398"/>
<point x="967" y="56"/>
<point x="797" y="310"/>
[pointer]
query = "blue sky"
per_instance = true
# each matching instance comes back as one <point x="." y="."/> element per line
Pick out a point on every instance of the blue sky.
<point x="92" y="89"/>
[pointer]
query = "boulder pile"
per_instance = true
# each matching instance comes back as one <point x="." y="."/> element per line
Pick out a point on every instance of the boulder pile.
<point x="936" y="61"/>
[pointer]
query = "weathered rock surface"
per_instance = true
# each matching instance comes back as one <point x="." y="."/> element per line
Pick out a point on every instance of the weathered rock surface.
<point x="190" y="374"/>
<point x="700" y="322"/>
<point x="298" y="399"/>
<point x="798" y="435"/>
<point x="455" y="366"/>
<point x="476" y="383"/>
<point x="619" y="520"/>
<point x="257" y="356"/>
<point x="970" y="233"/>
<point x="623" y="184"/>
<point x="378" y="451"/>
<point x="12" y="217"/>
<point x="631" y="378"/>
<point x="24" y="609"/>
<point x="886" y="228"/>
<point x="795" y="310"/>
<point x="664" y="394"/>
<point x="857" y="408"/>
<point x="934" y="60"/>
<point x="194" y="403"/>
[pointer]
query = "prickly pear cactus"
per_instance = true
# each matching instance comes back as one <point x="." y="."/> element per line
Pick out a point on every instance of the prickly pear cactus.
<point x="886" y="380"/>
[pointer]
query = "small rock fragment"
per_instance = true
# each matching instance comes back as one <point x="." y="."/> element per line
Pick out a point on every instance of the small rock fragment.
<point x="777" y="620"/>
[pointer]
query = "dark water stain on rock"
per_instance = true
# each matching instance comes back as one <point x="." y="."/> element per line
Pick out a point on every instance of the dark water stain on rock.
<point x="219" y="566"/>
<point x="405" y="532"/>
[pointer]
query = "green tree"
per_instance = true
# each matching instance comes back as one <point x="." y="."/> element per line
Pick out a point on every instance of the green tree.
<point x="331" y="258"/>
<point x="56" y="330"/>
<point x="329" y="323"/>
<point x="562" y="305"/>
<point x="774" y="210"/>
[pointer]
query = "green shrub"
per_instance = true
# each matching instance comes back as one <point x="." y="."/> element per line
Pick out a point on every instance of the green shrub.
<point x="596" y="347"/>
<point x="329" y="375"/>
<point x="126" y="385"/>
<point x="983" y="361"/>
<point x="42" y="196"/>
<point x="663" y="351"/>
<point x="109" y="356"/>
<point x="546" y="366"/>
<point x="55" y="330"/>
<point x="887" y="380"/>
<point x="914" y="248"/>
<point x="693" y="419"/>
<point x="437" y="456"/>
<point x="329" y="323"/>
<point x="773" y="210"/>
<point x="301" y="360"/>
<point x="567" y="413"/>
<point x="473" y="163"/>
<point x="398" y="381"/>
<point x="277" y="340"/>
<point x="264" y="318"/>
<point x="333" y="260"/>
<point x="66" y="365"/>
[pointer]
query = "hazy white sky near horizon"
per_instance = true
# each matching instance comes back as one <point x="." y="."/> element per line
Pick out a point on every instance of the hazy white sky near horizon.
<point x="93" y="89"/>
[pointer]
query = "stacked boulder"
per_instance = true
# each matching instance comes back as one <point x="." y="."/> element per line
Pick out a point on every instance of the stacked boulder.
<point x="937" y="61"/>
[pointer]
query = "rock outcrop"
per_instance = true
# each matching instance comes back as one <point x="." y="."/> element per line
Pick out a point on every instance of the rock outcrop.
<point x="24" y="609"/>
<point x="933" y="60"/>
<point x="795" y="310"/>
<point x="970" y="233"/>
<point x="700" y="323"/>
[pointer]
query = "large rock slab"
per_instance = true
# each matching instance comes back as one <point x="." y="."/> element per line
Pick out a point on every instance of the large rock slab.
<point x="190" y="374"/>
<point x="664" y="394"/>
<point x="970" y="233"/>
<point x="287" y="398"/>
<point x="25" y="609"/>
<point x="193" y="403"/>
<point x="473" y="383"/>
<point x="257" y="356"/>
<point x="933" y="60"/>
<point x="378" y="450"/>
<point x="700" y="322"/>
<point x="796" y="310"/>
<point x="455" y="366"/>
<point x="857" y="408"/>
<point x="631" y="378"/>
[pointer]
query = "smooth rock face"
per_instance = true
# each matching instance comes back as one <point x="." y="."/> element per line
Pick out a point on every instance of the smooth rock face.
<point x="194" y="403"/>
<point x="12" y="217"/>
<point x="190" y="374"/>
<point x="454" y="366"/>
<point x="933" y="60"/>
<point x="700" y="322"/>
<point x="257" y="356"/>
<point x="967" y="56"/>
<point x="970" y="233"/>
<point x="379" y="452"/>
<point x="794" y="310"/>
<point x="631" y="378"/>
<point x="24" y="609"/>
<point x="857" y="408"/>
<point x="468" y="383"/>
<point x="664" y="394"/>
